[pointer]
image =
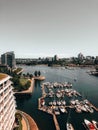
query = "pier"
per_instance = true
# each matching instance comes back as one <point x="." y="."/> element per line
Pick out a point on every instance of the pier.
<point x="56" y="122"/>
<point x="40" y="78"/>
<point x="54" y="116"/>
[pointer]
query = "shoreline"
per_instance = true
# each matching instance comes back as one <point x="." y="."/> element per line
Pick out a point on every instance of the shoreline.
<point x="31" y="88"/>
<point x="28" y="91"/>
<point x="28" y="122"/>
<point x="57" y="65"/>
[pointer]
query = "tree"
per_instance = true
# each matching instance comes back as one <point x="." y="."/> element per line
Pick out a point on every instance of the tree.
<point x="31" y="75"/>
<point x="28" y="74"/>
<point x="35" y="73"/>
<point x="39" y="73"/>
<point x="24" y="75"/>
<point x="27" y="85"/>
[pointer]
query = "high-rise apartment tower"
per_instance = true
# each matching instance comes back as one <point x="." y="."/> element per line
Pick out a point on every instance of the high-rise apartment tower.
<point x="7" y="103"/>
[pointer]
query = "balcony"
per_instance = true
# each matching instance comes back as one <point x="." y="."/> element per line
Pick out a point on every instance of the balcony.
<point x="1" y="99"/>
<point x="6" y="94"/>
<point x="1" y="117"/>
<point x="1" y="108"/>
<point x="1" y="126"/>
<point x="9" y="107"/>
<point x="8" y="98"/>
<point x="2" y="90"/>
<point x="7" y="84"/>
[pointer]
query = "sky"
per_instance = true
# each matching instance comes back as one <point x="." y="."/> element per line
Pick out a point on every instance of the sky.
<point x="41" y="28"/>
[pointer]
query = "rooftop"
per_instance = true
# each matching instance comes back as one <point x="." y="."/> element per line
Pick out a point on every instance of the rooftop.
<point x="2" y="76"/>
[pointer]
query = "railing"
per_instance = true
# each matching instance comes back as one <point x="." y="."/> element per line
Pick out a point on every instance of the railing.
<point x="1" y="106"/>
<point x="1" y="116"/>
<point x="7" y="85"/>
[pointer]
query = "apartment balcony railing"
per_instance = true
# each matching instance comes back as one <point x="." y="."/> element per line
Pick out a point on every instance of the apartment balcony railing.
<point x="1" y="117"/>
<point x="7" y="85"/>
<point x="1" y="108"/>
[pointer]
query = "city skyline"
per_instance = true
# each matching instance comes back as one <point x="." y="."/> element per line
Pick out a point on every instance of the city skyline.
<point x="44" y="28"/>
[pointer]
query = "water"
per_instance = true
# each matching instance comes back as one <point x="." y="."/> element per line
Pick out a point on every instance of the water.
<point x="86" y="84"/>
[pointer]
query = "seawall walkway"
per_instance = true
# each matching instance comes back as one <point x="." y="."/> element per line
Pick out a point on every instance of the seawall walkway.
<point x="28" y="123"/>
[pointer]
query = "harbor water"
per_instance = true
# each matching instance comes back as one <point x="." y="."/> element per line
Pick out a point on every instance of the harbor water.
<point x="85" y="84"/>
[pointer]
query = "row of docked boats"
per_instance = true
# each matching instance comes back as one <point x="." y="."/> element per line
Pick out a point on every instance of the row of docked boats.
<point x="89" y="125"/>
<point x="62" y="92"/>
<point x="59" y="99"/>
<point x="82" y="106"/>
<point x="59" y="90"/>
<point x="59" y="102"/>
<point x="58" y="85"/>
<point x="53" y="108"/>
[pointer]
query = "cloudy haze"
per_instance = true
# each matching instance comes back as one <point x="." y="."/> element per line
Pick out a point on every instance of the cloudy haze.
<point x="34" y="28"/>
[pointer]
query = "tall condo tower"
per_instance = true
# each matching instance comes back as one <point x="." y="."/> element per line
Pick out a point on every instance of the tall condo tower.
<point x="8" y="59"/>
<point x="7" y="103"/>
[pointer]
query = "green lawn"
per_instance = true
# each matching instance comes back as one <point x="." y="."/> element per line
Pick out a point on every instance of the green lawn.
<point x="23" y="81"/>
<point x="17" y="70"/>
<point x="19" y="117"/>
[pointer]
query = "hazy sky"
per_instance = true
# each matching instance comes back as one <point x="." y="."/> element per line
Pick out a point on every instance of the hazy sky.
<point x="40" y="28"/>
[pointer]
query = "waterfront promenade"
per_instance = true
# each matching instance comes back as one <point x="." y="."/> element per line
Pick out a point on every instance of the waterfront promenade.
<point x="27" y="122"/>
<point x="56" y="122"/>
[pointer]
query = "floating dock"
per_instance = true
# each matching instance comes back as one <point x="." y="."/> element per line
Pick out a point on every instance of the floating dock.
<point x="56" y="122"/>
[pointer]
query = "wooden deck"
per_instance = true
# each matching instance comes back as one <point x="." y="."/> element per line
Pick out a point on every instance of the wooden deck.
<point x="56" y="122"/>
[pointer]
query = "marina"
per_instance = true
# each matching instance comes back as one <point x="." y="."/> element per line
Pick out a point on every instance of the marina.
<point x="57" y="93"/>
<point x="46" y="101"/>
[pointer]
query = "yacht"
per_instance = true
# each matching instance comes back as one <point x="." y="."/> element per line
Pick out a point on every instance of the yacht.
<point x="56" y="111"/>
<point x="69" y="126"/>
<point x="72" y="102"/>
<point x="59" y="103"/>
<point x="95" y="124"/>
<point x="54" y="103"/>
<point x="62" y="109"/>
<point x="89" y="125"/>
<point x="89" y="109"/>
<point x="63" y="102"/>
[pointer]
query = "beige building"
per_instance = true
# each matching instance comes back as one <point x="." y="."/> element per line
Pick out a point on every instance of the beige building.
<point x="7" y="103"/>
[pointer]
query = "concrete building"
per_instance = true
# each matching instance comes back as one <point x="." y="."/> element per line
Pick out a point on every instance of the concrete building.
<point x="8" y="58"/>
<point x="80" y="56"/>
<point x="56" y="58"/>
<point x="7" y="103"/>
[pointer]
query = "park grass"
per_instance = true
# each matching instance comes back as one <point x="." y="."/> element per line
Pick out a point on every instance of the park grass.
<point x="19" y="117"/>
<point x="23" y="81"/>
